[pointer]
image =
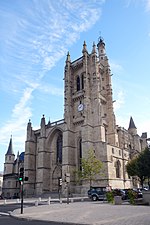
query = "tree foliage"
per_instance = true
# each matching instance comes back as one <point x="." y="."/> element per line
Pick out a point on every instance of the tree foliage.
<point x="140" y="166"/>
<point x="91" y="166"/>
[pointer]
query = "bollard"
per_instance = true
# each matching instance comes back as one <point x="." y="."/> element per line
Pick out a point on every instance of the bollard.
<point x="36" y="203"/>
<point x="60" y="200"/>
<point x="5" y="202"/>
<point x="49" y="201"/>
<point x="17" y="200"/>
<point x="39" y="199"/>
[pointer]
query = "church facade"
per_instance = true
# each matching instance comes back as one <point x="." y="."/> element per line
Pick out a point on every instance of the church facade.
<point x="89" y="123"/>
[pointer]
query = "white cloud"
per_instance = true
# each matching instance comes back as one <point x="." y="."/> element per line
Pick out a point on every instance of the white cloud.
<point x="147" y="5"/>
<point x="39" y="36"/>
<point x="119" y="100"/>
<point x="50" y="89"/>
<point x="16" y="125"/>
<point x="115" y="67"/>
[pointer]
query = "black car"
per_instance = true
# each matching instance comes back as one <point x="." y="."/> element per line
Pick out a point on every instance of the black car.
<point x="137" y="193"/>
<point x="97" y="193"/>
<point x="1" y="197"/>
<point x="119" y="192"/>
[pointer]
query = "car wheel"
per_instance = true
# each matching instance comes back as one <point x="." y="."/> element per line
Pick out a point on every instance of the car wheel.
<point x="94" y="198"/>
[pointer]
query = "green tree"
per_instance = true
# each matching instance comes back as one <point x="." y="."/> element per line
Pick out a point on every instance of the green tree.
<point x="140" y="166"/>
<point x="131" y="167"/>
<point x="90" y="167"/>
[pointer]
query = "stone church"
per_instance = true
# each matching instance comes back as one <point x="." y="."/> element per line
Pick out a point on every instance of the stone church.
<point x="89" y="123"/>
<point x="12" y="165"/>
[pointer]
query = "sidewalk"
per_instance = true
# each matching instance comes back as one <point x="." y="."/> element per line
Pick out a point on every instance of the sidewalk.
<point x="92" y="213"/>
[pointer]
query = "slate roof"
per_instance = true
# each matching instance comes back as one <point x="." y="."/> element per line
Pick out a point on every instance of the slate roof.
<point x="131" y="124"/>
<point x="10" y="148"/>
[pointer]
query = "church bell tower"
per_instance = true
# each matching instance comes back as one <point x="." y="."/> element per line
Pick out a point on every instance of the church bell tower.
<point x="88" y="110"/>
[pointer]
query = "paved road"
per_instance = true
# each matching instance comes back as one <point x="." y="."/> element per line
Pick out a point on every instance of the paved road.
<point x="6" y="219"/>
<point x="92" y="213"/>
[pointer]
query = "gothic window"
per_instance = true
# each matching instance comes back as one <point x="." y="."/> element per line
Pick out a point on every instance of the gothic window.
<point x="59" y="149"/>
<point x="118" y="166"/>
<point x="82" y="79"/>
<point x="80" y="154"/>
<point x="78" y="83"/>
<point x="119" y="152"/>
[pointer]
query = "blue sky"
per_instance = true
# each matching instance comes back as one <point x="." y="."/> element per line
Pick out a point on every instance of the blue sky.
<point x="35" y="36"/>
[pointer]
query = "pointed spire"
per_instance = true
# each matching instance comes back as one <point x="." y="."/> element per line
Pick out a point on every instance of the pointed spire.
<point x="29" y="130"/>
<point x="29" y="124"/>
<point x="68" y="57"/>
<point x="49" y="122"/>
<point x="84" y="47"/>
<point x="43" y="127"/>
<point x="131" y="124"/>
<point x="10" y="148"/>
<point x="94" y="48"/>
<point x="43" y="121"/>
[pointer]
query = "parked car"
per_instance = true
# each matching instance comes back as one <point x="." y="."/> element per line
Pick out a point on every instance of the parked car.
<point x="119" y="192"/>
<point x="1" y="197"/>
<point x="143" y="189"/>
<point x="138" y="193"/>
<point x="97" y="193"/>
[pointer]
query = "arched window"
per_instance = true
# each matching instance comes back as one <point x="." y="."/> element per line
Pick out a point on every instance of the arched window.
<point x="59" y="149"/>
<point x="78" y="83"/>
<point x="118" y="166"/>
<point x="82" y="78"/>
<point x="80" y="154"/>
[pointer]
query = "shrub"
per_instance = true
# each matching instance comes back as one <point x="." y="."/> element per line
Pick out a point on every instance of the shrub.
<point x="110" y="196"/>
<point x="132" y="196"/>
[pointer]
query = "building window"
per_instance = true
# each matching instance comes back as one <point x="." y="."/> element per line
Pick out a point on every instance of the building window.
<point x="113" y="151"/>
<point x="118" y="166"/>
<point x="80" y="154"/>
<point x="82" y="78"/>
<point x="59" y="149"/>
<point x="119" y="152"/>
<point x="78" y="83"/>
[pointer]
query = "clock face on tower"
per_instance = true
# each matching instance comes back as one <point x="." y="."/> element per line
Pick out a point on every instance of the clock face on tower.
<point x="80" y="107"/>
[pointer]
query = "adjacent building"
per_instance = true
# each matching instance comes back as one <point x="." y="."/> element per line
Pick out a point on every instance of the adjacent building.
<point x="11" y="185"/>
